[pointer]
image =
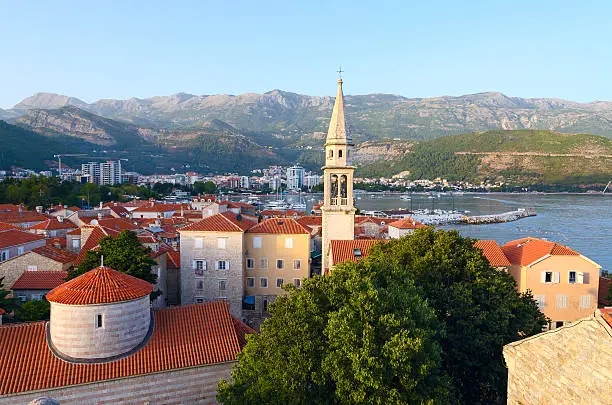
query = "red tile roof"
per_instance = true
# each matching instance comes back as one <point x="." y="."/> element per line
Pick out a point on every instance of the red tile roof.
<point x="101" y="285"/>
<point x="9" y="208"/>
<point x="75" y="232"/>
<point x="39" y="280"/>
<point x="115" y="223"/>
<point x="92" y="241"/>
<point x="525" y="251"/>
<point x="8" y="227"/>
<point x="224" y="222"/>
<point x="407" y="223"/>
<point x="378" y="221"/>
<point x="279" y="226"/>
<point x="53" y="253"/>
<point x="311" y="220"/>
<point x="53" y="224"/>
<point x="21" y="217"/>
<point x="606" y="314"/>
<point x="494" y="254"/>
<point x="344" y="250"/>
<point x="162" y="208"/>
<point x="56" y="242"/>
<point x="14" y="237"/>
<point x="187" y="336"/>
<point x="2" y="311"/>
<point x="174" y="258"/>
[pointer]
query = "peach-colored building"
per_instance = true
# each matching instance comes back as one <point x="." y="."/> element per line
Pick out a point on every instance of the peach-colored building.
<point x="277" y="252"/>
<point x="563" y="282"/>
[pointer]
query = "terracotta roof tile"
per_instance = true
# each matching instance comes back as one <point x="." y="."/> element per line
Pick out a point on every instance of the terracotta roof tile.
<point x="100" y="286"/>
<point x="224" y="222"/>
<point x="92" y="241"/>
<point x="21" y="217"/>
<point x="53" y="224"/>
<point x="378" y="221"/>
<point x="14" y="237"/>
<point x="39" y="280"/>
<point x="279" y="226"/>
<point x="494" y="254"/>
<point x="407" y="223"/>
<point x="187" y="336"/>
<point x="8" y="227"/>
<point x="58" y="255"/>
<point x="311" y="220"/>
<point x="115" y="223"/>
<point x="75" y="232"/>
<point x="174" y="258"/>
<point x="242" y="330"/>
<point x="525" y="251"/>
<point x="351" y="250"/>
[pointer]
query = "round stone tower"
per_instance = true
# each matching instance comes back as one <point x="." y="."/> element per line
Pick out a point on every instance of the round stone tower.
<point x="99" y="316"/>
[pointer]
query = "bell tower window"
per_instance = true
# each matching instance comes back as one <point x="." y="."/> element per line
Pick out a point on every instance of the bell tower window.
<point x="340" y="153"/>
<point x="331" y="153"/>
<point x="333" y="190"/>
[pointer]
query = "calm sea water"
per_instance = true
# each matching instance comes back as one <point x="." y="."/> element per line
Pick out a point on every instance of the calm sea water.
<point x="582" y="222"/>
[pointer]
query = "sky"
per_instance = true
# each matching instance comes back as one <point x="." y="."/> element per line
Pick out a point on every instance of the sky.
<point x="122" y="49"/>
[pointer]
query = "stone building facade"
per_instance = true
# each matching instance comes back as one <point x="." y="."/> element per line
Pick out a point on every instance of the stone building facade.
<point x="13" y="268"/>
<point x="567" y="365"/>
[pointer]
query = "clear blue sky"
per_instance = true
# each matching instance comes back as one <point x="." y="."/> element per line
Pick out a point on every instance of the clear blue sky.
<point x="123" y="49"/>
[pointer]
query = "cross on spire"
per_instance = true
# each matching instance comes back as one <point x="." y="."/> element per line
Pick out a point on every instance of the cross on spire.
<point x="340" y="71"/>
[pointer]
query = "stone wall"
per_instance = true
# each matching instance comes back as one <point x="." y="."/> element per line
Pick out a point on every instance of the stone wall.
<point x="196" y="385"/>
<point x="13" y="268"/>
<point x="567" y="365"/>
<point x="124" y="326"/>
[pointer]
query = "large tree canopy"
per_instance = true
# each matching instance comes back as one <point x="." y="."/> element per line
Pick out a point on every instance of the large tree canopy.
<point x="422" y="319"/>
<point x="123" y="253"/>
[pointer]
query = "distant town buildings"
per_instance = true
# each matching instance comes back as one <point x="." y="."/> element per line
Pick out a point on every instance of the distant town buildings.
<point x="103" y="173"/>
<point x="295" y="177"/>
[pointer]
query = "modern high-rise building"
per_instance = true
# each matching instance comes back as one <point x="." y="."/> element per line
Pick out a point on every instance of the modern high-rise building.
<point x="106" y="173"/>
<point x="295" y="177"/>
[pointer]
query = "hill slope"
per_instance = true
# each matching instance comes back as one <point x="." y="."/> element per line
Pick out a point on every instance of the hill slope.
<point x="518" y="156"/>
<point x="299" y="117"/>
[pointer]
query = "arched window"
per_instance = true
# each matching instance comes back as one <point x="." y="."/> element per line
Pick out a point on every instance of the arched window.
<point x="333" y="190"/>
<point x="340" y="153"/>
<point x="331" y="153"/>
<point x="343" y="185"/>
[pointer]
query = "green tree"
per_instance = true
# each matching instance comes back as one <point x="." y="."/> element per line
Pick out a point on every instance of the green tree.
<point x="478" y="305"/>
<point x="204" y="188"/>
<point x="7" y="301"/>
<point x="123" y="253"/>
<point x="32" y="311"/>
<point x="358" y="336"/>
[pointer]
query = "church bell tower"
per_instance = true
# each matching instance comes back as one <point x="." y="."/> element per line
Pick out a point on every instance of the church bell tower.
<point x="338" y="207"/>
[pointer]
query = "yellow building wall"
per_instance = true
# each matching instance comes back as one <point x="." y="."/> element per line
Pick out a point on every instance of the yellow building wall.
<point x="273" y="248"/>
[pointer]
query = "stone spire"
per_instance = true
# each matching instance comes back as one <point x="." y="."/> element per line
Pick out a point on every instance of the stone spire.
<point x="336" y="133"/>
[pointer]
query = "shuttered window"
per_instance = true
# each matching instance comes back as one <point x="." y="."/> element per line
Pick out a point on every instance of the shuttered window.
<point x="562" y="301"/>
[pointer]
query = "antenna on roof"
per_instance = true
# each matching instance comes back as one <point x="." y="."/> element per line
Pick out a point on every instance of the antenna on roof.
<point x="102" y="261"/>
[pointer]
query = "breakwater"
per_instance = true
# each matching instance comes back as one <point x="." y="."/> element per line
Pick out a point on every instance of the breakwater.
<point x="447" y="218"/>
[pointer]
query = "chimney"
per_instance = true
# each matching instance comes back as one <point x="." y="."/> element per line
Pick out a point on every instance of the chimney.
<point x="157" y="222"/>
<point x="60" y="218"/>
<point x="39" y="209"/>
<point x="100" y="215"/>
<point x="100" y="204"/>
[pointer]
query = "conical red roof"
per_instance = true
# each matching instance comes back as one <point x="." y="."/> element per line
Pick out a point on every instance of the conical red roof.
<point x="101" y="285"/>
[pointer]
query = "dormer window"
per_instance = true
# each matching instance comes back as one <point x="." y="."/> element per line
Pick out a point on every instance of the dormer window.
<point x="357" y="252"/>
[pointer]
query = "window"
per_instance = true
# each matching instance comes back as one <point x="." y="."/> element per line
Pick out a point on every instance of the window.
<point x="20" y="250"/>
<point x="572" y="277"/>
<point x="250" y="282"/>
<point x="199" y="300"/>
<point x="582" y="278"/>
<point x="221" y="243"/>
<point x="263" y="282"/>
<point x="297" y="282"/>
<point x="222" y="285"/>
<point x="250" y="263"/>
<point x="32" y="267"/>
<point x="561" y="301"/>
<point x="340" y="153"/>
<point x="289" y="243"/>
<point x="331" y="153"/>
<point x="549" y="277"/>
<point x="263" y="263"/>
<point x="280" y="263"/>
<point x="558" y="324"/>
<point x="76" y="243"/>
<point x="357" y="252"/>
<point x="199" y="243"/>
<point x="257" y="242"/>
<point x="4" y="255"/>
<point x="265" y="305"/>
<point x="279" y="282"/>
<point x="297" y="264"/>
<point x="223" y="265"/>
<point x="199" y="267"/>
<point x="585" y="301"/>
<point x="99" y="321"/>
<point x="22" y="298"/>
<point x="36" y="297"/>
<point x="200" y="284"/>
<point x="540" y="300"/>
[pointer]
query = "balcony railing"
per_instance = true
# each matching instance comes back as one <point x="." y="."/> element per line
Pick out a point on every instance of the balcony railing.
<point x="339" y="201"/>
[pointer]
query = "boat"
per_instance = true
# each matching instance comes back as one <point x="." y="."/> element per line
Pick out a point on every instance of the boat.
<point x="280" y="205"/>
<point x="405" y="198"/>
<point x="300" y="206"/>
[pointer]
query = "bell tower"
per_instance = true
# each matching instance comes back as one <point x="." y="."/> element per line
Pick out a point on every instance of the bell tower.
<point x="338" y="209"/>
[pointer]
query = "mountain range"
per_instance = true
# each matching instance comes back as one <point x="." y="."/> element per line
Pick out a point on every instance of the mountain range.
<point x="227" y="132"/>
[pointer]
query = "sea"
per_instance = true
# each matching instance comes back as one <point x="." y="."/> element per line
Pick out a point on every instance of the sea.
<point x="582" y="222"/>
